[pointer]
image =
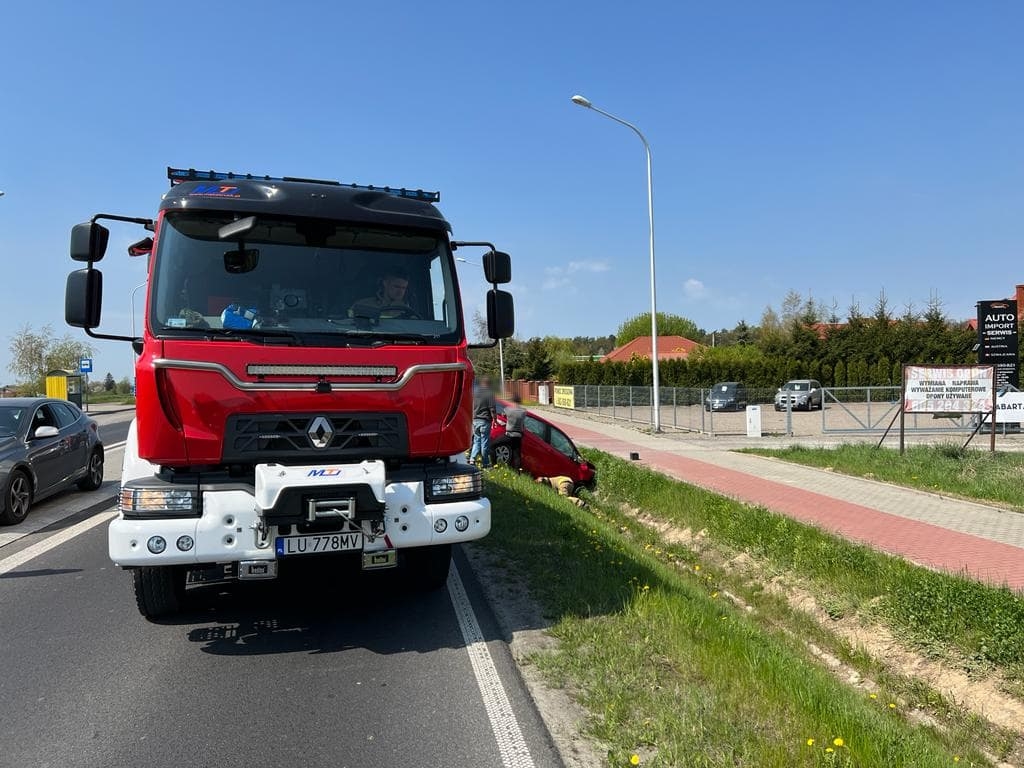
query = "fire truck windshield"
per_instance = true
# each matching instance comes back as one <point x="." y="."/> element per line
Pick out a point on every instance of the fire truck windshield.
<point x="318" y="281"/>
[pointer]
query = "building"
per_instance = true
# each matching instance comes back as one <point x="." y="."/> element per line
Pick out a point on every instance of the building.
<point x="669" y="348"/>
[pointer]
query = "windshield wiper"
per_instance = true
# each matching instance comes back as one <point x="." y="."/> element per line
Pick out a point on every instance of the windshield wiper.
<point x="383" y="339"/>
<point x="267" y="335"/>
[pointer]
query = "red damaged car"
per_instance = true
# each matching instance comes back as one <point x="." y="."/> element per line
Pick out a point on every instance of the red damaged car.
<point x="547" y="451"/>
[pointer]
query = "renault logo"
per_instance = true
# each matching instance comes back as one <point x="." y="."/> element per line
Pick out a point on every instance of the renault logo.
<point x="320" y="432"/>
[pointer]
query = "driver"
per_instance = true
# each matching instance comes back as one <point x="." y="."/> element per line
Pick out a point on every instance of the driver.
<point x="390" y="298"/>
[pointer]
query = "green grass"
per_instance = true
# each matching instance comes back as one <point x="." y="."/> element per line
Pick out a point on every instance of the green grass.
<point x="110" y="397"/>
<point x="980" y="621"/>
<point x="667" y="668"/>
<point x="972" y="473"/>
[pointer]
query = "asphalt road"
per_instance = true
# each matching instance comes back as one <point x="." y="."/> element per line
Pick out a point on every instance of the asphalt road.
<point x="319" y="668"/>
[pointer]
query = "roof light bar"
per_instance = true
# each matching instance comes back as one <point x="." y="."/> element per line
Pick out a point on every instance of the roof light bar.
<point x="178" y="175"/>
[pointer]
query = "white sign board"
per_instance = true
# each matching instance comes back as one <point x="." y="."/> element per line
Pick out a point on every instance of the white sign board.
<point x="960" y="389"/>
<point x="1010" y="408"/>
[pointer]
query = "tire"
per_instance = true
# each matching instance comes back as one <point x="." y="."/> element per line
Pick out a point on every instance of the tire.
<point x="428" y="566"/>
<point x="159" y="590"/>
<point x="17" y="498"/>
<point x="501" y="454"/>
<point x="94" y="474"/>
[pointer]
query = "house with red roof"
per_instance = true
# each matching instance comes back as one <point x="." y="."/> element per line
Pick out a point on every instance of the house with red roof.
<point x="669" y="348"/>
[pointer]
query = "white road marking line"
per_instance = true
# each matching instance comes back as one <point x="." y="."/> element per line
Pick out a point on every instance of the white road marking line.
<point x="511" y="744"/>
<point x="42" y="547"/>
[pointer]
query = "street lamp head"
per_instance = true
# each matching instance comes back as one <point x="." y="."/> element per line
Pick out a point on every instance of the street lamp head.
<point x="583" y="102"/>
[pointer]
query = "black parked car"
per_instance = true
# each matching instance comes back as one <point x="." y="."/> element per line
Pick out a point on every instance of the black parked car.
<point x="46" y="445"/>
<point x="726" y="396"/>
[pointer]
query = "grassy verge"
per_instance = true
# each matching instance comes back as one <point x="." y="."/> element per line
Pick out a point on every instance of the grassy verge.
<point x="972" y="473"/>
<point x="110" y="397"/>
<point x="674" y="674"/>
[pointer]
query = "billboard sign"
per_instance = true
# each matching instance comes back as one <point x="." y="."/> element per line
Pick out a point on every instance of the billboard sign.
<point x="1010" y="408"/>
<point x="948" y="389"/>
<point x="998" y="339"/>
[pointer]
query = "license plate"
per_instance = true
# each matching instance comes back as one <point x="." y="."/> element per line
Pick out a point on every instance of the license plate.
<point x="317" y="543"/>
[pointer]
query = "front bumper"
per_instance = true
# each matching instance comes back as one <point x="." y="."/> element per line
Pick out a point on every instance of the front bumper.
<point x="231" y="528"/>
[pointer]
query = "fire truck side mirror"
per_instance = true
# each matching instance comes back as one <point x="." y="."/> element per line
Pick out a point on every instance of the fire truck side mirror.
<point x="89" y="241"/>
<point x="497" y="267"/>
<point x="501" y="320"/>
<point x="83" y="298"/>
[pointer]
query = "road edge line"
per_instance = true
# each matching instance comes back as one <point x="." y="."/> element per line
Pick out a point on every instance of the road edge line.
<point x="507" y="733"/>
<point x="52" y="542"/>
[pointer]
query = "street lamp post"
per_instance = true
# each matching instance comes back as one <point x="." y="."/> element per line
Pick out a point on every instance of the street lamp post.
<point x="656" y="409"/>
<point x="501" y="351"/>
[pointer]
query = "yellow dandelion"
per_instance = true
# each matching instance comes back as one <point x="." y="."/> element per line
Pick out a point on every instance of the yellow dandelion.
<point x="714" y="594"/>
<point x="891" y="705"/>
<point x="634" y="759"/>
<point x="829" y="749"/>
<point x="872" y="695"/>
<point x="956" y="758"/>
<point x="646" y="588"/>
<point x="838" y="741"/>
<point x="810" y="742"/>
<point x="696" y="567"/>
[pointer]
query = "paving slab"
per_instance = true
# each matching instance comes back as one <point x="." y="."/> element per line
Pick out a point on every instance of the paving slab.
<point x="982" y="541"/>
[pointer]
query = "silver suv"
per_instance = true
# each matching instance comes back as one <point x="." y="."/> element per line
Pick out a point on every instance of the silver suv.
<point x="799" y="394"/>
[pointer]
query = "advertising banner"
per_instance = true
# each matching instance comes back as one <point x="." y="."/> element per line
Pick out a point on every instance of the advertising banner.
<point x="948" y="389"/>
<point x="998" y="339"/>
<point x="565" y="397"/>
<point x="1010" y="408"/>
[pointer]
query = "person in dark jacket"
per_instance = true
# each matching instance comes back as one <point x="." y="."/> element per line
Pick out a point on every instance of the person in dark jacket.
<point x="515" y="419"/>
<point x="484" y="412"/>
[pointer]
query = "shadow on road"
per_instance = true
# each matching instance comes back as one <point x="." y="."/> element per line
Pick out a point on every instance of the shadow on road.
<point x="39" y="572"/>
<point x="320" y="607"/>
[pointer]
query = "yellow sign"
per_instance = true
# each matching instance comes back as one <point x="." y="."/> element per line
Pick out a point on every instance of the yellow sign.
<point x="565" y="397"/>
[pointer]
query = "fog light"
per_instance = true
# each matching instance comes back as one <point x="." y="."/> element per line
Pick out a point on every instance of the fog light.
<point x="156" y="544"/>
<point x="461" y="523"/>
<point x="184" y="543"/>
<point x="440" y="525"/>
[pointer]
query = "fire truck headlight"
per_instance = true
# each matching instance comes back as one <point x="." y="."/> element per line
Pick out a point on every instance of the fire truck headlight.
<point x="455" y="487"/>
<point x="159" y="500"/>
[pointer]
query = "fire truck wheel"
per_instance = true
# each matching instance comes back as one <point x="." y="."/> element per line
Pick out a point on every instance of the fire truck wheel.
<point x="428" y="566"/>
<point x="159" y="590"/>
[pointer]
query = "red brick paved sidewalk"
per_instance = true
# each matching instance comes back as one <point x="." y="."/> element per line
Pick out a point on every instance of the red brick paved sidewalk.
<point x="920" y="542"/>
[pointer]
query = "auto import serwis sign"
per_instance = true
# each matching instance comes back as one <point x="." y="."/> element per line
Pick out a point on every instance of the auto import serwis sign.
<point x="998" y="339"/>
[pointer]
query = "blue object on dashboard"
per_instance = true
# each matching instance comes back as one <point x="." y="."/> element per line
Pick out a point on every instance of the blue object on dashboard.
<point x="234" y="316"/>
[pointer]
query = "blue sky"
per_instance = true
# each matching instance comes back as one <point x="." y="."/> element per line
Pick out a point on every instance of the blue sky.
<point x="834" y="149"/>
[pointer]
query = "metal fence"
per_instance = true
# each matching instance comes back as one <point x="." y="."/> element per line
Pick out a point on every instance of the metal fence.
<point x="845" y="410"/>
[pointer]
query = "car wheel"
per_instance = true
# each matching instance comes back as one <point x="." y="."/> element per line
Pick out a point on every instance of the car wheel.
<point x="94" y="476"/>
<point x="159" y="590"/>
<point x="17" y="498"/>
<point x="428" y="566"/>
<point x="501" y="454"/>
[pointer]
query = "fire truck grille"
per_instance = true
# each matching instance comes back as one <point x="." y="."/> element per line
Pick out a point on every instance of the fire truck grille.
<point x="290" y="437"/>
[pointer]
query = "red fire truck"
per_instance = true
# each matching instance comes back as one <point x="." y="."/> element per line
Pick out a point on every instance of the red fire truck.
<point x="302" y="382"/>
